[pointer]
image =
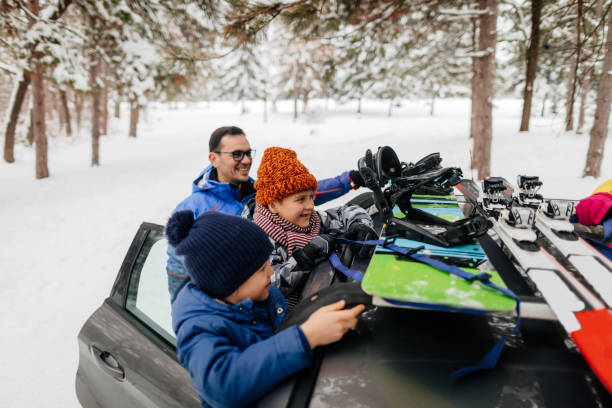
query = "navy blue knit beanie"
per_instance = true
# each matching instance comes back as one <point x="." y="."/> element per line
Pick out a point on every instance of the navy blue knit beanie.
<point x="221" y="251"/>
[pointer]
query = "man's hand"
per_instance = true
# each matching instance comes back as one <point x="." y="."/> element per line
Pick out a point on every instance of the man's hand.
<point x="318" y="249"/>
<point x="329" y="323"/>
<point x="359" y="231"/>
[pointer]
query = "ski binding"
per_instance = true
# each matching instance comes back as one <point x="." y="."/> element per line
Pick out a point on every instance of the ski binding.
<point x="528" y="190"/>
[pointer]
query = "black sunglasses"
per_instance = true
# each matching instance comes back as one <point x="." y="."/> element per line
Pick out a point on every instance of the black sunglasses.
<point x="239" y="154"/>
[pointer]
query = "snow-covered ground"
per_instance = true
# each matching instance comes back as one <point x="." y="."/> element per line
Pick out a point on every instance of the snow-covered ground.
<point x="63" y="238"/>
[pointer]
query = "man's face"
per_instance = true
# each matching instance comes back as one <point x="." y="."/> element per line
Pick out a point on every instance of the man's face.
<point x="228" y="169"/>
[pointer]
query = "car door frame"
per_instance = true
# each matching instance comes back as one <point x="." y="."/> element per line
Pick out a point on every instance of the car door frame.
<point x="152" y="375"/>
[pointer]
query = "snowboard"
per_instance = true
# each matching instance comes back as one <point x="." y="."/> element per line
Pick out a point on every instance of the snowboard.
<point x="415" y="284"/>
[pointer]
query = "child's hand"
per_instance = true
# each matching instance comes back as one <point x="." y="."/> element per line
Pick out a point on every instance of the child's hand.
<point x="314" y="252"/>
<point x="329" y="323"/>
<point x="358" y="231"/>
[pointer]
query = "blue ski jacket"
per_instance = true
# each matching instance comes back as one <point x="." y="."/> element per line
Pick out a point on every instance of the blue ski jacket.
<point x="211" y="195"/>
<point x="232" y="352"/>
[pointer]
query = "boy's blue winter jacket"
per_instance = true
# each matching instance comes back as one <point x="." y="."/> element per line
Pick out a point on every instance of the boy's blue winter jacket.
<point x="212" y="195"/>
<point x="231" y="351"/>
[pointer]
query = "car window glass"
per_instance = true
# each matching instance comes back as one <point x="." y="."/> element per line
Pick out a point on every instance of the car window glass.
<point x="148" y="297"/>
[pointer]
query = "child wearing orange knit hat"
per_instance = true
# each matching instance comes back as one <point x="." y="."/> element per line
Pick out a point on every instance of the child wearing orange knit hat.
<point x="302" y="237"/>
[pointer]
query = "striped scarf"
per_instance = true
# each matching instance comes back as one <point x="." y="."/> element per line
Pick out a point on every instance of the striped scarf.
<point x="284" y="232"/>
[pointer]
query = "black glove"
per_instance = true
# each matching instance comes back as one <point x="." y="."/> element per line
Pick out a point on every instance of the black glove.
<point x="356" y="179"/>
<point x="359" y="231"/>
<point x="318" y="249"/>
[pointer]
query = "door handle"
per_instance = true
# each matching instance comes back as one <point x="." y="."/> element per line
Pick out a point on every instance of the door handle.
<point x="107" y="362"/>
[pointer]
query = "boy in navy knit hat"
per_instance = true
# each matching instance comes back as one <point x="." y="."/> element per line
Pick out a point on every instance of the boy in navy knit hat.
<point x="226" y="318"/>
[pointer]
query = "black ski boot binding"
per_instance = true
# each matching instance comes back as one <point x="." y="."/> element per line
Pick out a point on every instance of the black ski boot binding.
<point x="496" y="194"/>
<point x="559" y="209"/>
<point x="528" y="190"/>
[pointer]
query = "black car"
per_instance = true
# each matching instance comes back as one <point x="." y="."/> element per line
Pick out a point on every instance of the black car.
<point x="395" y="357"/>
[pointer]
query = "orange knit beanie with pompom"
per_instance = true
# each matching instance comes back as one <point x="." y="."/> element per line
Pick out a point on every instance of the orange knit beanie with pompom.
<point x="281" y="174"/>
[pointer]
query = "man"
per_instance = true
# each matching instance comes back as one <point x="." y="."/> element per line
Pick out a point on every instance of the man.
<point x="225" y="186"/>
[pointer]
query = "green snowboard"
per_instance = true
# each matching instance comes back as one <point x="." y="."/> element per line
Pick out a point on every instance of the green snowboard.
<point x="421" y="285"/>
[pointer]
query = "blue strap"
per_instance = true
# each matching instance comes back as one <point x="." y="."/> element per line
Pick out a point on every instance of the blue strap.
<point x="607" y="229"/>
<point x="490" y="359"/>
<point x="601" y="247"/>
<point x="351" y="273"/>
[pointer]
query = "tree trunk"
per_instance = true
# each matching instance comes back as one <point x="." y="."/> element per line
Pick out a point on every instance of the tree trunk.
<point x="265" y="109"/>
<point x="51" y="106"/>
<point x="390" y="106"/>
<point x="64" y="103"/>
<point x="105" y="70"/>
<point x="17" y="102"/>
<point x="554" y="109"/>
<point x="433" y="102"/>
<point x="304" y="100"/>
<point x="38" y="103"/>
<point x="584" y="92"/>
<point x="78" y="109"/>
<point x="40" y="136"/>
<point x="483" y="95"/>
<point x="532" y="63"/>
<point x="359" y="105"/>
<point x="474" y="105"/>
<point x="134" y="112"/>
<point x="57" y="102"/>
<point x="573" y="73"/>
<point x="599" y="132"/>
<point x="30" y="134"/>
<point x="95" y="109"/>
<point x="569" y="102"/>
<point x="588" y="74"/>
<point x="9" y="138"/>
<point x="118" y="109"/>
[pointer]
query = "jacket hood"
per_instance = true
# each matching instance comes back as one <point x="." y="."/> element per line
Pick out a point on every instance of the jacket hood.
<point x="204" y="183"/>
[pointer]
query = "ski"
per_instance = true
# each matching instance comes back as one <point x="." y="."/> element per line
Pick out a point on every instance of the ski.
<point x="553" y="221"/>
<point x="579" y="310"/>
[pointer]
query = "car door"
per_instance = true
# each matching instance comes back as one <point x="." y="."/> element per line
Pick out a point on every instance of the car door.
<point x="127" y="347"/>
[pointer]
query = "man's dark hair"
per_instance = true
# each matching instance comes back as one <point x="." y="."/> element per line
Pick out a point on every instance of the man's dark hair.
<point x="217" y="135"/>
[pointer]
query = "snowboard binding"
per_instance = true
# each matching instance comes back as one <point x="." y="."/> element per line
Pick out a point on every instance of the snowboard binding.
<point x="384" y="170"/>
<point x="430" y="162"/>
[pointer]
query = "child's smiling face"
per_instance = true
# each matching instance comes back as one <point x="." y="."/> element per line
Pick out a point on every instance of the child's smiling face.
<point x="295" y="208"/>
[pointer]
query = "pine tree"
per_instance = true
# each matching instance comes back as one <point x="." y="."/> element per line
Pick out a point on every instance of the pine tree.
<point x="599" y="132"/>
<point x="243" y="75"/>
